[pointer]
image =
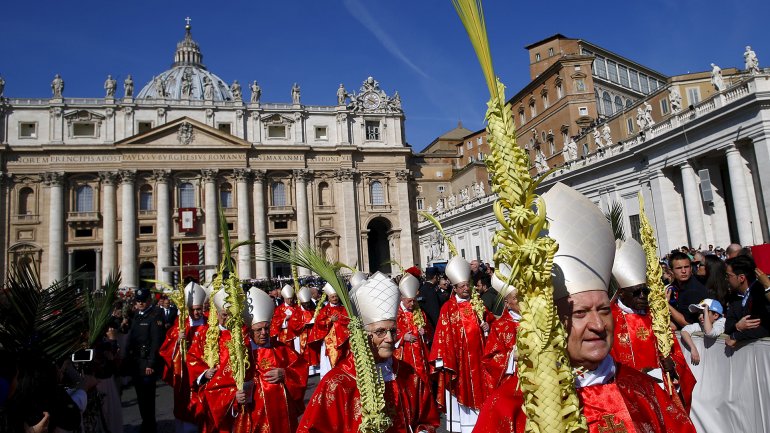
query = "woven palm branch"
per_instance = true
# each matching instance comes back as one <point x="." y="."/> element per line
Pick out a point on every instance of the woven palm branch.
<point x="371" y="386"/>
<point x="547" y="381"/>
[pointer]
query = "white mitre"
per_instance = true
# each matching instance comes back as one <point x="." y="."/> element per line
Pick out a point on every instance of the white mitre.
<point x="304" y="294"/>
<point x="458" y="270"/>
<point x="377" y="299"/>
<point x="259" y="306"/>
<point x="502" y="286"/>
<point x="408" y="286"/>
<point x="586" y="244"/>
<point x="357" y="279"/>
<point x="194" y="294"/>
<point x="630" y="266"/>
<point x="329" y="290"/>
<point x="287" y="291"/>
<point x="219" y="300"/>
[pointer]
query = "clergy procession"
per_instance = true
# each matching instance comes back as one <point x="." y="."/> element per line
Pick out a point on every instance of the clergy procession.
<point x="585" y="339"/>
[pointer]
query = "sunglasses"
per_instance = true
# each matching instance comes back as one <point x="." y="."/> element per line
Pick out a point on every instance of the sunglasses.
<point x="638" y="292"/>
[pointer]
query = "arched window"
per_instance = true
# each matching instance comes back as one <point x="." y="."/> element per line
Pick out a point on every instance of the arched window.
<point x="607" y="104"/>
<point x="618" y="104"/>
<point x="145" y="197"/>
<point x="585" y="149"/>
<point x="26" y="201"/>
<point x="279" y="194"/>
<point x="324" y="194"/>
<point x="378" y="194"/>
<point x="226" y="195"/>
<point x="84" y="199"/>
<point x="629" y="102"/>
<point x="186" y="195"/>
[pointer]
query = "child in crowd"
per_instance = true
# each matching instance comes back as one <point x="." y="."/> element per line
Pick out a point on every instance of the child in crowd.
<point x="711" y="323"/>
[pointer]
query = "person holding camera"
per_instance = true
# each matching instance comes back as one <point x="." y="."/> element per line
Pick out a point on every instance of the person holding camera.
<point x="143" y="362"/>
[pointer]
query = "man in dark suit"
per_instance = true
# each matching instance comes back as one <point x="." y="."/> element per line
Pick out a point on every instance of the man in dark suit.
<point x="169" y="312"/>
<point x="747" y="318"/>
<point x="427" y="296"/>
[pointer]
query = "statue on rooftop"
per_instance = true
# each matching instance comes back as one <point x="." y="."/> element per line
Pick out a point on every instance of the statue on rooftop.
<point x="482" y="193"/>
<point x="541" y="165"/>
<point x="440" y="206"/>
<point x="607" y="135"/>
<point x="640" y="118"/>
<point x="160" y="91"/>
<point x="716" y="78"/>
<point x="648" y="122"/>
<point x="342" y="95"/>
<point x="452" y="201"/>
<point x="295" y="94"/>
<point x="208" y="89"/>
<point x="57" y="86"/>
<point x="571" y="150"/>
<point x="597" y="138"/>
<point x="109" y="86"/>
<point x="256" y="92"/>
<point x="186" y="84"/>
<point x="128" y="87"/>
<point x="675" y="98"/>
<point x="236" y="90"/>
<point x="752" y="63"/>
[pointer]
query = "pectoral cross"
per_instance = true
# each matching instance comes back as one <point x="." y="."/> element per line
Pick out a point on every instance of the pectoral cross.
<point x="610" y="425"/>
<point x="642" y="334"/>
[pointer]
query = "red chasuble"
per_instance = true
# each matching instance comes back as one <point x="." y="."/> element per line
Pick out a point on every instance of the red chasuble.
<point x="301" y="326"/>
<point x="631" y="403"/>
<point x="635" y="345"/>
<point x="497" y="351"/>
<point x="459" y="342"/>
<point x="274" y="407"/>
<point x="334" y="334"/>
<point x="187" y="406"/>
<point x="279" y="316"/>
<point x="336" y="404"/>
<point x="413" y="353"/>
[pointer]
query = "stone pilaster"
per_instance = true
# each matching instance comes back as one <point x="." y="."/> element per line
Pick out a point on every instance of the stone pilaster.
<point x="303" y="226"/>
<point x="211" y="250"/>
<point x="109" y="256"/>
<point x="346" y="179"/>
<point x="242" y="176"/>
<point x="164" y="231"/>
<point x="128" y="259"/>
<point x="55" y="183"/>
<point x="735" y="167"/>
<point x="260" y="223"/>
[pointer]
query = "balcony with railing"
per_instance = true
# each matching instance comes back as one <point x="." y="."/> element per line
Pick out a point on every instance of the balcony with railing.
<point x="25" y="219"/>
<point x="280" y="210"/>
<point x="83" y="217"/>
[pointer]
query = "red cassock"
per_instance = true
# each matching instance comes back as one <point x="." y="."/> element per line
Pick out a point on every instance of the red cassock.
<point x="301" y="326"/>
<point x="274" y="407"/>
<point x="497" y="351"/>
<point x="187" y="406"/>
<point x="459" y="343"/>
<point x="334" y="334"/>
<point x="631" y="403"/>
<point x="218" y="394"/>
<point x="636" y="346"/>
<point x="279" y="316"/>
<point x="414" y="353"/>
<point x="336" y="404"/>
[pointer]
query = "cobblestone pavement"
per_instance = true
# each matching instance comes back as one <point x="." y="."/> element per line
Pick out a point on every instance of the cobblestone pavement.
<point x="164" y="406"/>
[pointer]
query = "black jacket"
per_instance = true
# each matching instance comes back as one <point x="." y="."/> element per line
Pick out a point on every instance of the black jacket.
<point x="144" y="340"/>
<point x="756" y="307"/>
<point x="429" y="302"/>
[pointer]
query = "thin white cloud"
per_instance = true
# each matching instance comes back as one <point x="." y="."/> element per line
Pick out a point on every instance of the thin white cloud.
<point x="360" y="13"/>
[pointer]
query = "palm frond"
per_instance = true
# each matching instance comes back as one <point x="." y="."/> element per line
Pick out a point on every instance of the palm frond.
<point x="434" y="221"/>
<point x="471" y="14"/>
<point x="393" y="262"/>
<point x="614" y="216"/>
<point x="99" y="307"/>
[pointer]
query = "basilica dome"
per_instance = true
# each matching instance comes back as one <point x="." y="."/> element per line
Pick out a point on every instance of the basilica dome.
<point x="188" y="78"/>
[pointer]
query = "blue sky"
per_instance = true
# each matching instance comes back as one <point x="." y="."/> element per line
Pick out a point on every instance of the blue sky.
<point x="417" y="47"/>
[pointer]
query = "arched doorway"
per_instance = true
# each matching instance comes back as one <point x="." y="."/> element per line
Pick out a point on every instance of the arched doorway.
<point x="281" y="269"/>
<point x="378" y="245"/>
<point x="84" y="269"/>
<point x="146" y="272"/>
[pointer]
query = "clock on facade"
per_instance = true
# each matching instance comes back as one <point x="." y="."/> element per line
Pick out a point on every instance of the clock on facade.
<point x="372" y="100"/>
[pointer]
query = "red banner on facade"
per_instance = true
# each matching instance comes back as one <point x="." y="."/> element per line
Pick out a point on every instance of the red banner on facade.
<point x="188" y="221"/>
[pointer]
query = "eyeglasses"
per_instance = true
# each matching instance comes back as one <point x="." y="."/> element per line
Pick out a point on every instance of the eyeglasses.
<point x="260" y="330"/>
<point x="638" y="292"/>
<point x="380" y="333"/>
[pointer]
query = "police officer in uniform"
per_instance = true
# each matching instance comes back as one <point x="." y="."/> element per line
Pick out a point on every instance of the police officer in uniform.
<point x="144" y="363"/>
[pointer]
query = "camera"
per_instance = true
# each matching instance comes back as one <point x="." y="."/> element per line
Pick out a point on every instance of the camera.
<point x="83" y="355"/>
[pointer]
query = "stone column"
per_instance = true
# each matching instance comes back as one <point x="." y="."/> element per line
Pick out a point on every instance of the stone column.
<point x="260" y="223"/>
<point x="351" y="234"/>
<point x="55" y="182"/>
<point x="163" y="215"/>
<point x="303" y="230"/>
<point x="406" y="245"/>
<point x="128" y="259"/>
<point x="98" y="272"/>
<point x="244" y="226"/>
<point x="735" y="167"/>
<point x="109" y="225"/>
<point x="693" y="207"/>
<point x="211" y="253"/>
<point x="70" y="262"/>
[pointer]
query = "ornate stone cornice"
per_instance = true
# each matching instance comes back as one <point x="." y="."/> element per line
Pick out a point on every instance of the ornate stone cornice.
<point x="108" y="177"/>
<point x="303" y="175"/>
<point x="259" y="175"/>
<point x="345" y="174"/>
<point x="160" y="176"/>
<point x="53" y="178"/>
<point x="403" y="175"/>
<point x="209" y="174"/>
<point x="242" y="174"/>
<point x="127" y="176"/>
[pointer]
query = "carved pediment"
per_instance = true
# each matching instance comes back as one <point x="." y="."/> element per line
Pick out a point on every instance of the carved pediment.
<point x="182" y="133"/>
<point x="276" y="119"/>
<point x="83" y="116"/>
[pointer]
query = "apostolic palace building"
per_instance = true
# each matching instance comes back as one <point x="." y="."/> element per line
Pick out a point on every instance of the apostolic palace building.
<point x="133" y="181"/>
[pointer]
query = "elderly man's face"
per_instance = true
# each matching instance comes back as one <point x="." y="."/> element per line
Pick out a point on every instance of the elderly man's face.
<point x="588" y="319"/>
<point x="334" y="299"/>
<point x="408" y="303"/>
<point x="222" y="317"/>
<point x="512" y="302"/>
<point x="196" y="312"/>
<point x="463" y="290"/>
<point x="474" y="265"/>
<point x="635" y="297"/>
<point x="260" y="333"/>
<point x="382" y="337"/>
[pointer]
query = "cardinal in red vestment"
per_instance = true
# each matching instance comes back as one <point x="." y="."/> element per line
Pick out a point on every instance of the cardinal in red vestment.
<point x="302" y="324"/>
<point x="187" y="407"/>
<point x="330" y="331"/>
<point x="273" y="395"/>
<point x="458" y="346"/>
<point x="635" y="342"/>
<point x="412" y="346"/>
<point x="280" y="327"/>
<point x="335" y="407"/>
